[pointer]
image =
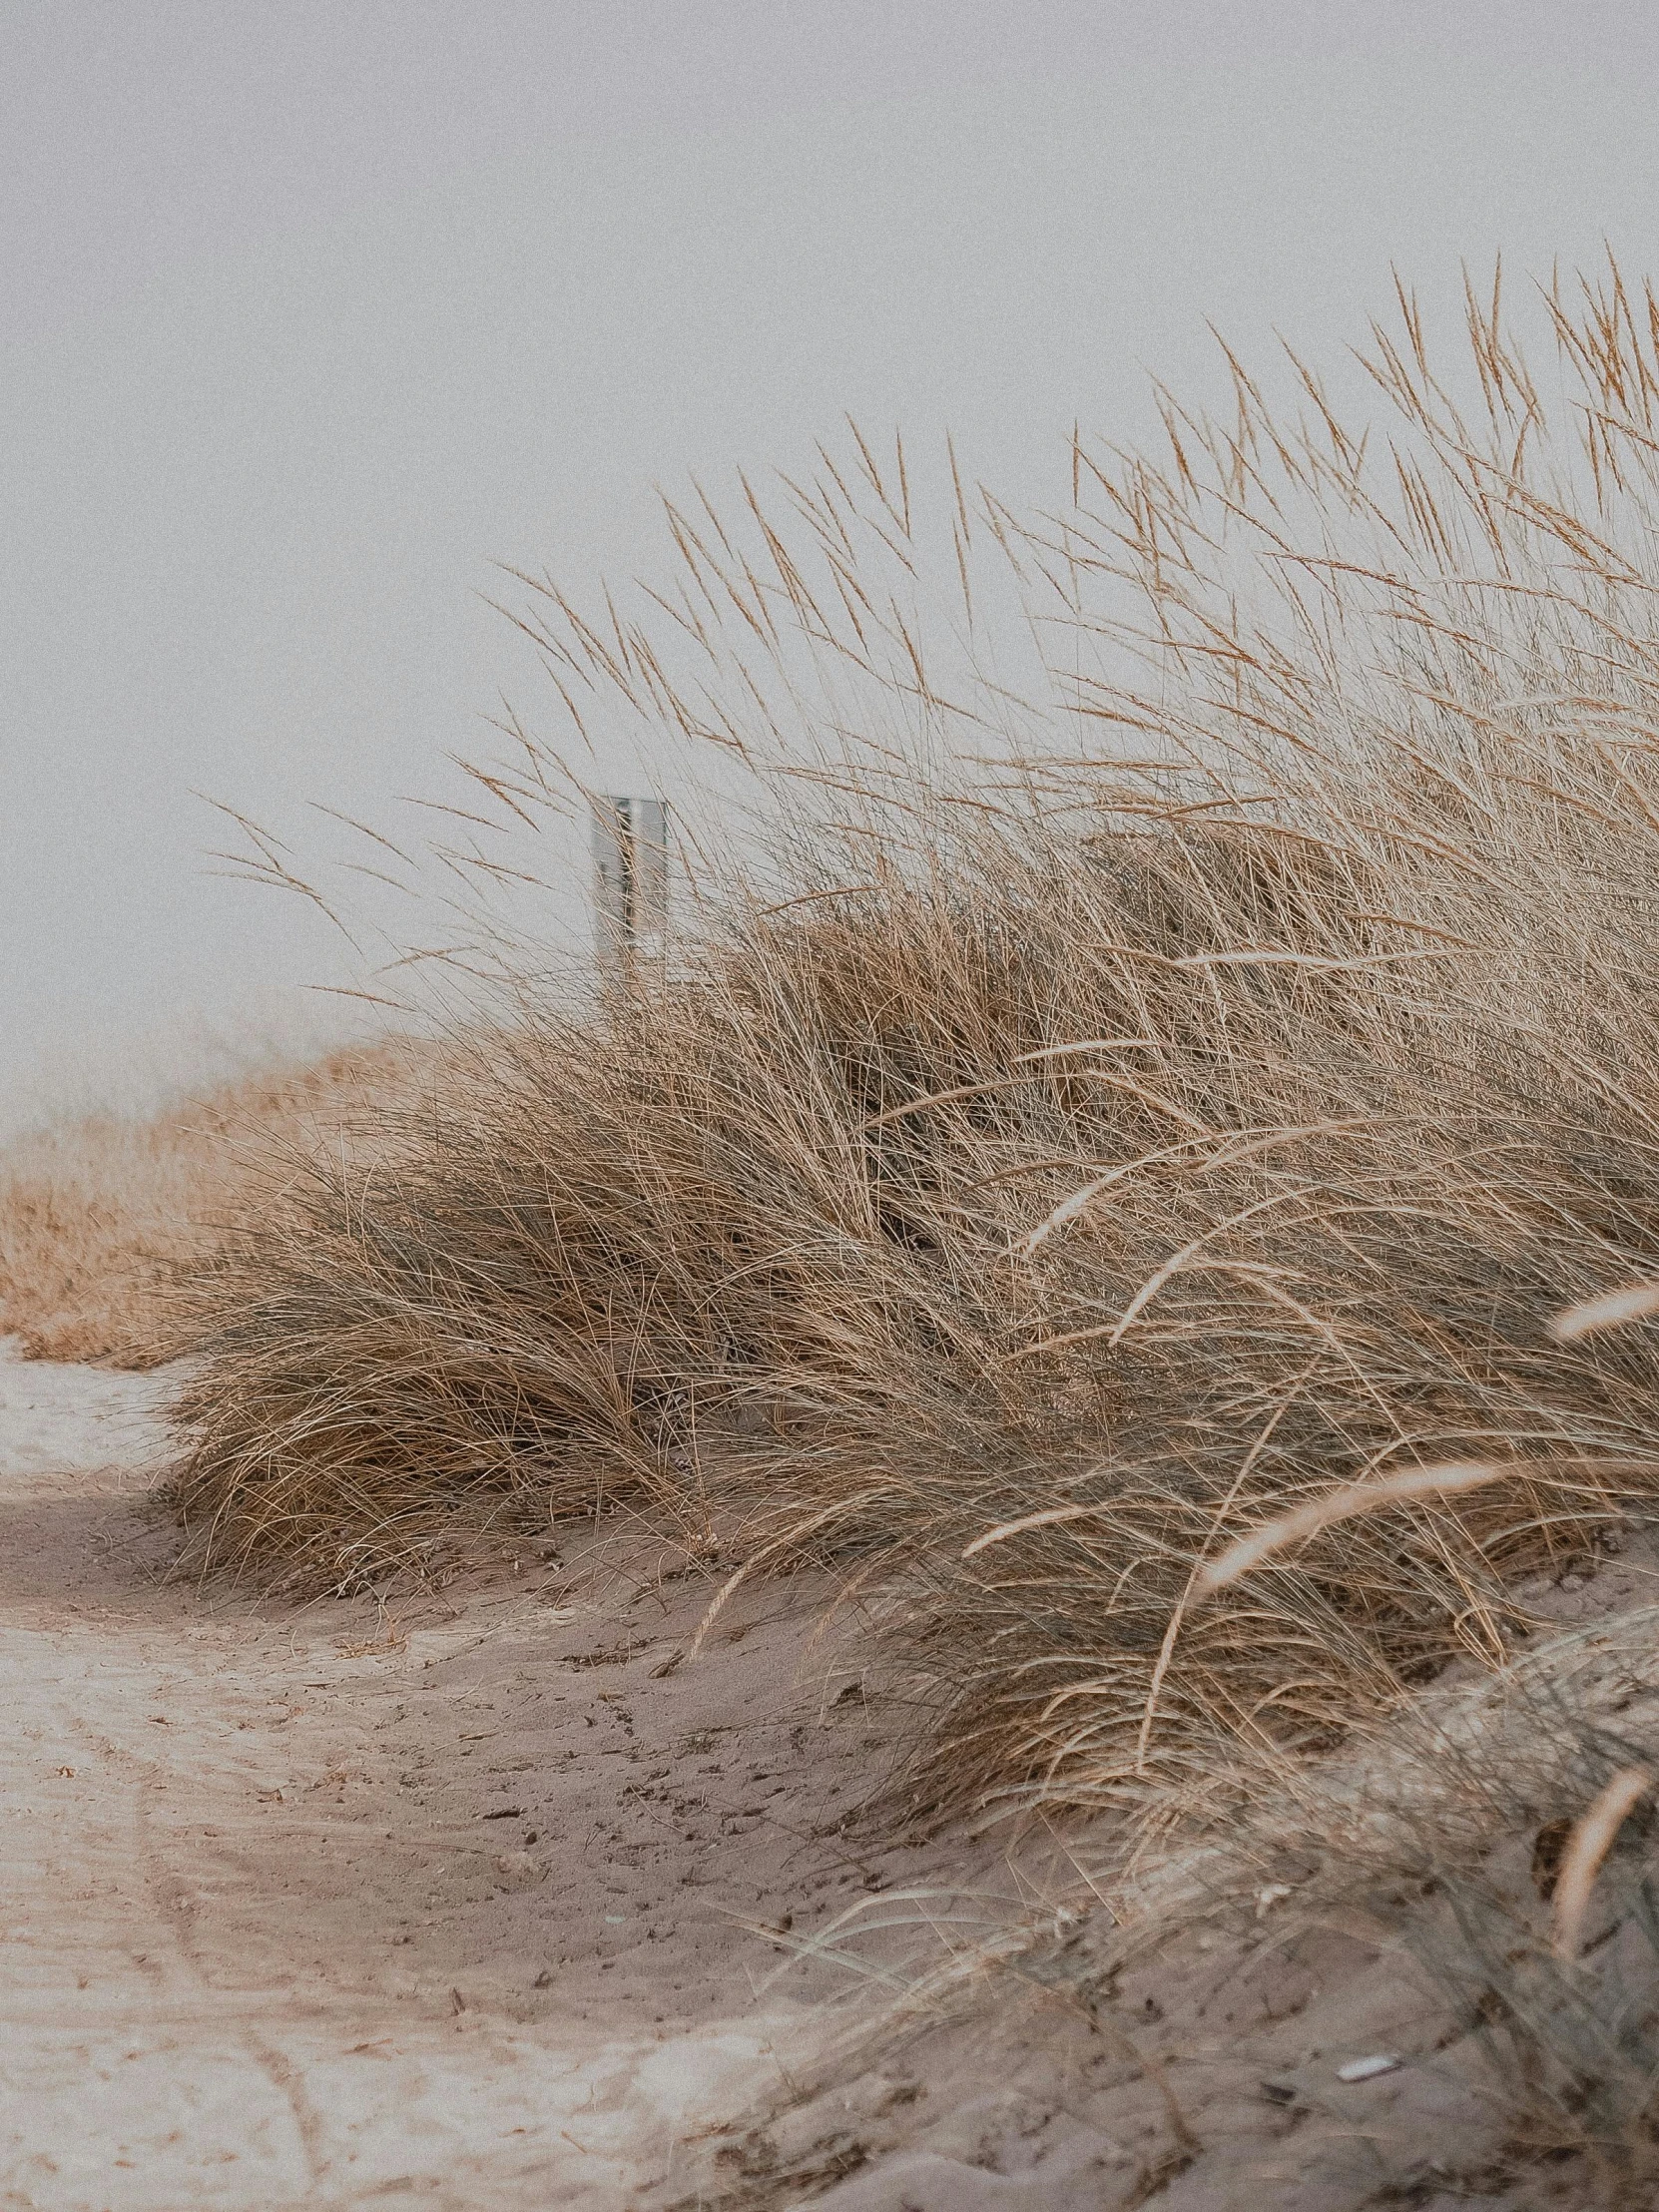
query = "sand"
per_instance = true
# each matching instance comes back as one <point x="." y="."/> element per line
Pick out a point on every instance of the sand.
<point x="456" y="1905"/>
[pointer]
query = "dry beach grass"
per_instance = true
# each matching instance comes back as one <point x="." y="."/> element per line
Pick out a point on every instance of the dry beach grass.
<point x="1109" y="1152"/>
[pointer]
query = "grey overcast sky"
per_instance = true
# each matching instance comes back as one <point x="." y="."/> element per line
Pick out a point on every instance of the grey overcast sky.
<point x="311" y="309"/>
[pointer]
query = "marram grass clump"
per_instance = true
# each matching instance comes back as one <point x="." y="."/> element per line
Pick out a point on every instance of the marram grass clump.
<point x="1121" y="1112"/>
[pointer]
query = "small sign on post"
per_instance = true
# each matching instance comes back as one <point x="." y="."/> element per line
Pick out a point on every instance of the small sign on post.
<point x="630" y="877"/>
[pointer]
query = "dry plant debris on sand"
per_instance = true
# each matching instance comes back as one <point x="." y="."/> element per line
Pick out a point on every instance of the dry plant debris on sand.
<point x="1140" y="1175"/>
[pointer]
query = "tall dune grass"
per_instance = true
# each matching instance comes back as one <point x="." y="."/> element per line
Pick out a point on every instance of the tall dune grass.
<point x="1116" y="1110"/>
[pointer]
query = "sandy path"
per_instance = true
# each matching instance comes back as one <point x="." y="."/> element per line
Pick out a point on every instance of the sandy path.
<point x="474" y="1909"/>
<point x="301" y="1907"/>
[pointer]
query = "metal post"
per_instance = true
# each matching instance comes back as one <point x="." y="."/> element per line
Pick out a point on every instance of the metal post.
<point x="630" y="858"/>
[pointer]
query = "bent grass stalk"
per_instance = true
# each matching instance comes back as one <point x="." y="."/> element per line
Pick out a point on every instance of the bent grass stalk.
<point x="1355" y="1498"/>
<point x="1615" y="1310"/>
<point x="1592" y="1838"/>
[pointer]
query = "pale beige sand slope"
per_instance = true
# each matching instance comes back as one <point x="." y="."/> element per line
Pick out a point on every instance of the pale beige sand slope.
<point x="452" y="1922"/>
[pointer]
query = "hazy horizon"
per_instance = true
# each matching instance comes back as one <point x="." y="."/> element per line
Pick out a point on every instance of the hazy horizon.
<point x="309" y="318"/>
